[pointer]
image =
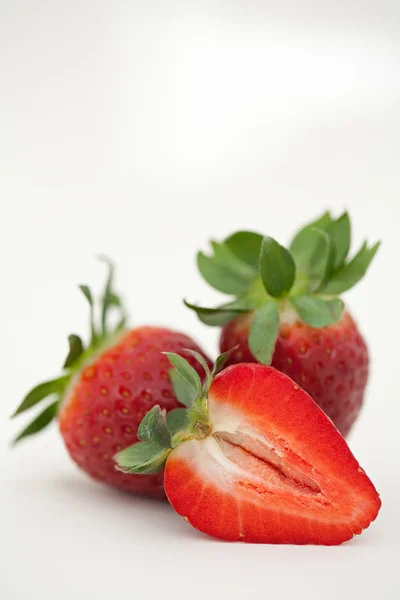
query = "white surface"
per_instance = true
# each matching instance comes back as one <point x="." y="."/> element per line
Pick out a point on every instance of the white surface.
<point x="139" y="129"/>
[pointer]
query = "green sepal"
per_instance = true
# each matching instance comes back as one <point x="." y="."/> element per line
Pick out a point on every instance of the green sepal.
<point x="221" y="360"/>
<point x="200" y="359"/>
<point x="312" y="251"/>
<point x="277" y="268"/>
<point x="40" y="422"/>
<point x="110" y="299"/>
<point x="350" y="273"/>
<point x="182" y="388"/>
<point x="339" y="232"/>
<point x="186" y="371"/>
<point x="143" y="457"/>
<point x="340" y="235"/>
<point x="153" y="428"/>
<point x="318" y="312"/>
<point x="224" y="255"/>
<point x="223" y="276"/>
<point x="177" y="420"/>
<point x="76" y="349"/>
<point x="246" y="245"/>
<point x="264" y="331"/>
<point x="42" y="391"/>
<point x="86" y="291"/>
<point x="323" y="222"/>
<point x="185" y="383"/>
<point x="214" y="317"/>
<point x="221" y="315"/>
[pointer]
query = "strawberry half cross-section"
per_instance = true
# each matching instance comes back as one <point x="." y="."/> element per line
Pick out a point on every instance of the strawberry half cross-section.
<point x="254" y="459"/>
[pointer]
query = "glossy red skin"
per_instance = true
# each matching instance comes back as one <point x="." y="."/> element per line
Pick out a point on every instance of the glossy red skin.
<point x="279" y="409"/>
<point x="111" y="396"/>
<point x="330" y="363"/>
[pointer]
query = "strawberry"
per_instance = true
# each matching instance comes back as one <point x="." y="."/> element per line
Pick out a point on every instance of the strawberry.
<point x="287" y="311"/>
<point x="106" y="389"/>
<point x="255" y="459"/>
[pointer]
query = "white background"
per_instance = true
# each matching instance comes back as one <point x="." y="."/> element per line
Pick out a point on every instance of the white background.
<point x="141" y="129"/>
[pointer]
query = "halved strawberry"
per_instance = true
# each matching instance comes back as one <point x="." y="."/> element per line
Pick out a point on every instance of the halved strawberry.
<point x="256" y="460"/>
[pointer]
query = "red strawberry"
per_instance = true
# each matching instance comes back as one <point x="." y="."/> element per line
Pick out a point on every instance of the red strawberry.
<point x="105" y="391"/>
<point x="256" y="460"/>
<point x="287" y="311"/>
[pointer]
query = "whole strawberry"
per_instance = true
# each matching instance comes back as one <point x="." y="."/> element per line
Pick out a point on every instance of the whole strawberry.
<point x="287" y="311"/>
<point x="106" y="389"/>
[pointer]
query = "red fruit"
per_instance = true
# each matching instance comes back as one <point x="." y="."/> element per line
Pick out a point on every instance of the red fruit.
<point x="331" y="363"/>
<point x="259" y="462"/>
<point x="288" y="313"/>
<point x="102" y="411"/>
<point x="103" y="396"/>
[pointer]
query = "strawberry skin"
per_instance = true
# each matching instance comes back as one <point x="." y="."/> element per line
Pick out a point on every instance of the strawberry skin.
<point x="330" y="363"/>
<point x="102" y="409"/>
<point x="274" y="469"/>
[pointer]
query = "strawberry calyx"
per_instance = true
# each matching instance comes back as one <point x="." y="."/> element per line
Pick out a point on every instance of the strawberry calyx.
<point x="160" y="432"/>
<point x="102" y="335"/>
<point x="268" y="280"/>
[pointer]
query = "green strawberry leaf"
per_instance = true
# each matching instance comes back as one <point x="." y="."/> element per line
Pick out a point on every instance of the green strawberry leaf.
<point x="40" y="422"/>
<point x="213" y="316"/>
<point x="76" y="349"/>
<point x="340" y="236"/>
<point x="277" y="268"/>
<point x="41" y="391"/>
<point x="323" y="222"/>
<point x="224" y="278"/>
<point x="221" y="360"/>
<point x="85" y="289"/>
<point x="241" y="305"/>
<point x="264" y="331"/>
<point x="153" y="428"/>
<point x="216" y="318"/>
<point x="246" y="245"/>
<point x="186" y="371"/>
<point x="203" y="362"/>
<point x="225" y="256"/>
<point x="221" y="315"/>
<point x="143" y="457"/>
<point x="318" y="312"/>
<point x="311" y="249"/>
<point x="110" y="299"/>
<point x="182" y="388"/>
<point x="177" y="420"/>
<point x="350" y="273"/>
